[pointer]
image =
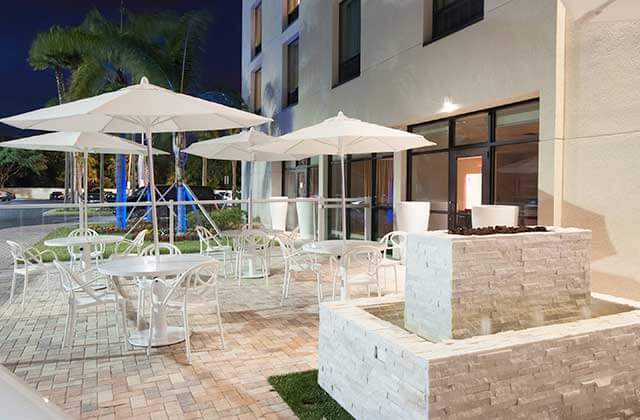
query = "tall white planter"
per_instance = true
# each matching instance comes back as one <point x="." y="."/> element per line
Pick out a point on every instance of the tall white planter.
<point x="494" y="215"/>
<point x="305" y="219"/>
<point x="279" y="213"/>
<point x="413" y="216"/>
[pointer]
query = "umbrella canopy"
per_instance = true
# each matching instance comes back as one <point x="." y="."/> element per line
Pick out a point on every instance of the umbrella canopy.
<point x="342" y="135"/>
<point x="84" y="143"/>
<point x="242" y="146"/>
<point x="79" y="142"/>
<point x="140" y="108"/>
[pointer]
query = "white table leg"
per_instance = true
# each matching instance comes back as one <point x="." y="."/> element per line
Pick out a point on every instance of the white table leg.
<point x="163" y="334"/>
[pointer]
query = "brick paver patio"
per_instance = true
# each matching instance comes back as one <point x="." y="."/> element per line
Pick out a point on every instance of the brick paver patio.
<point x="100" y="378"/>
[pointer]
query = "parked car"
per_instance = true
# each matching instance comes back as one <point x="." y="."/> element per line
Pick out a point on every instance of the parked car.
<point x="109" y="197"/>
<point x="7" y="196"/>
<point x="56" y="196"/>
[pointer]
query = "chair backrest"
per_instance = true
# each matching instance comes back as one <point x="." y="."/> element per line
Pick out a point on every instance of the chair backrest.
<point x="206" y="237"/>
<point x="364" y="259"/>
<point x="396" y="240"/>
<point x="167" y="248"/>
<point x="199" y="282"/>
<point x="17" y="252"/>
<point x="71" y="283"/>
<point x="83" y="232"/>
<point x="286" y="244"/>
<point x="131" y="247"/>
<point x="254" y="239"/>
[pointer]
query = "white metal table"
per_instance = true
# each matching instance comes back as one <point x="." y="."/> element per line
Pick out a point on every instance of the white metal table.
<point x="337" y="248"/>
<point x="150" y="267"/>
<point x="235" y="234"/>
<point x="84" y="244"/>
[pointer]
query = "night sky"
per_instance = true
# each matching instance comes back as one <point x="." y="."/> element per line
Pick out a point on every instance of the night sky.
<point x="24" y="89"/>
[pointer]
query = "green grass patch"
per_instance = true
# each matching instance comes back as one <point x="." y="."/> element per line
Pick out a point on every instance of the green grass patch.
<point x="308" y="401"/>
<point x="186" y="246"/>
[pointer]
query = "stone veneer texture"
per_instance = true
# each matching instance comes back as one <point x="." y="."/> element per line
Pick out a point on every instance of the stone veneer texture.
<point x="586" y="369"/>
<point x="462" y="286"/>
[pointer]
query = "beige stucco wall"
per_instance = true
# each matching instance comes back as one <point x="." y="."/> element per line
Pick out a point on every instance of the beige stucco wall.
<point x="512" y="54"/>
<point x="602" y="137"/>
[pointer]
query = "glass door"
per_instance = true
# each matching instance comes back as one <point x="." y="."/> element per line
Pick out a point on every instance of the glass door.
<point x="470" y="184"/>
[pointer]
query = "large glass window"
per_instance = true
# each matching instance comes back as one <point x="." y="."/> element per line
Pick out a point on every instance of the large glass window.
<point x="292" y="73"/>
<point x="519" y="122"/>
<point x="257" y="91"/>
<point x="450" y="16"/>
<point x="349" y="40"/>
<point x="257" y="30"/>
<point x="516" y="179"/>
<point x="472" y="129"/>
<point x="492" y="165"/>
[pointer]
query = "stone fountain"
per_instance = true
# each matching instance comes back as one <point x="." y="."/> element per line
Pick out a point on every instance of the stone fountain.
<point x="495" y="326"/>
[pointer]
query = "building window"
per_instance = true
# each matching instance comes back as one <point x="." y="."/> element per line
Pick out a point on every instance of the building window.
<point x="489" y="157"/>
<point x="292" y="73"/>
<point x="256" y="46"/>
<point x="450" y="16"/>
<point x="257" y="91"/>
<point x="349" y="40"/>
<point x="292" y="7"/>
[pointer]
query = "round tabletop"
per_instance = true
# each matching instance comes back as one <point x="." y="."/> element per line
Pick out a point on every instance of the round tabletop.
<point x="83" y="240"/>
<point x="152" y="265"/>
<point x="337" y="247"/>
<point x="234" y="233"/>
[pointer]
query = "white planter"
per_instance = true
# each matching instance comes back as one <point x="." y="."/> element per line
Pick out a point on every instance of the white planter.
<point x="494" y="215"/>
<point x="305" y="219"/>
<point x="279" y="213"/>
<point x="413" y="216"/>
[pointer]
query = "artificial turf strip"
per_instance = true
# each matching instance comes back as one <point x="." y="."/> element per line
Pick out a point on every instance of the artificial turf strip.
<point x="306" y="399"/>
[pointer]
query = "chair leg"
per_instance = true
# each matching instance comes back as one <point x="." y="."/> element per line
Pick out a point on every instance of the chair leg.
<point x="319" y="287"/>
<point x="150" y="330"/>
<point x="220" y="324"/>
<point x="187" y="336"/>
<point x="67" y="323"/>
<point x="24" y="286"/>
<point x="395" y="277"/>
<point x="264" y="270"/>
<point x="13" y="287"/>
<point x="71" y="327"/>
<point x="116" y="309"/>
<point x="284" y="285"/>
<point x="123" y="314"/>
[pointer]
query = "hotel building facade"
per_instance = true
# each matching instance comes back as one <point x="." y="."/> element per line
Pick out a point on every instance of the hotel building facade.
<point x="534" y="103"/>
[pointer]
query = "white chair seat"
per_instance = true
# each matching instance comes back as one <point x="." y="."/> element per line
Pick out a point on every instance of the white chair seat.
<point x="218" y="248"/>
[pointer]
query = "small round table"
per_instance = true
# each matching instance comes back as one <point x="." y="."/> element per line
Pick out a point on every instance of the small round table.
<point x="336" y="248"/>
<point x="150" y="267"/>
<point x="251" y="272"/>
<point x="84" y="244"/>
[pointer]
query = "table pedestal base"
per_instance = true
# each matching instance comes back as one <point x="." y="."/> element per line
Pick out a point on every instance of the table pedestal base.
<point x="173" y="335"/>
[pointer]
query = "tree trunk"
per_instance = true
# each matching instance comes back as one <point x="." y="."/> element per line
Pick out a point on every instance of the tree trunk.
<point x="234" y="176"/>
<point x="68" y="182"/>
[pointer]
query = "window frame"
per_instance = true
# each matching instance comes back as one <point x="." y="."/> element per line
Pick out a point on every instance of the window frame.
<point x="256" y="11"/>
<point x="437" y="36"/>
<point x="255" y="89"/>
<point x="490" y="145"/>
<point x="290" y="15"/>
<point x="288" y="102"/>
<point x="343" y="78"/>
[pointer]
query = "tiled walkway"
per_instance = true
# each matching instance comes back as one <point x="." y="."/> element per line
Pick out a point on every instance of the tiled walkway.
<point x="100" y="378"/>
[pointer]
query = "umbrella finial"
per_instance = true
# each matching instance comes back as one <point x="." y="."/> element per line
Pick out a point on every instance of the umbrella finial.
<point x="341" y="114"/>
<point x="144" y="80"/>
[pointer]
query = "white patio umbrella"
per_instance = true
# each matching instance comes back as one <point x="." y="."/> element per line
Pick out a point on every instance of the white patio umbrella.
<point x="242" y="146"/>
<point x="85" y="143"/>
<point x="143" y="108"/>
<point x="341" y="136"/>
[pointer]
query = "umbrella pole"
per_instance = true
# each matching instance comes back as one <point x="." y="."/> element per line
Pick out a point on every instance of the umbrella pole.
<point x="85" y="187"/>
<point x="344" y="200"/>
<point x="251" y="176"/>
<point x="152" y="187"/>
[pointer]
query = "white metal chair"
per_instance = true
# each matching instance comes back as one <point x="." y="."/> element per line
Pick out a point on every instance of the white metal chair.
<point x="26" y="262"/>
<point x="97" y="250"/>
<point x="210" y="245"/>
<point x="253" y="245"/>
<point x="394" y="242"/>
<point x="81" y="295"/>
<point x="196" y="286"/>
<point x="127" y="247"/>
<point x="163" y="249"/>
<point x="296" y="261"/>
<point x="360" y="267"/>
